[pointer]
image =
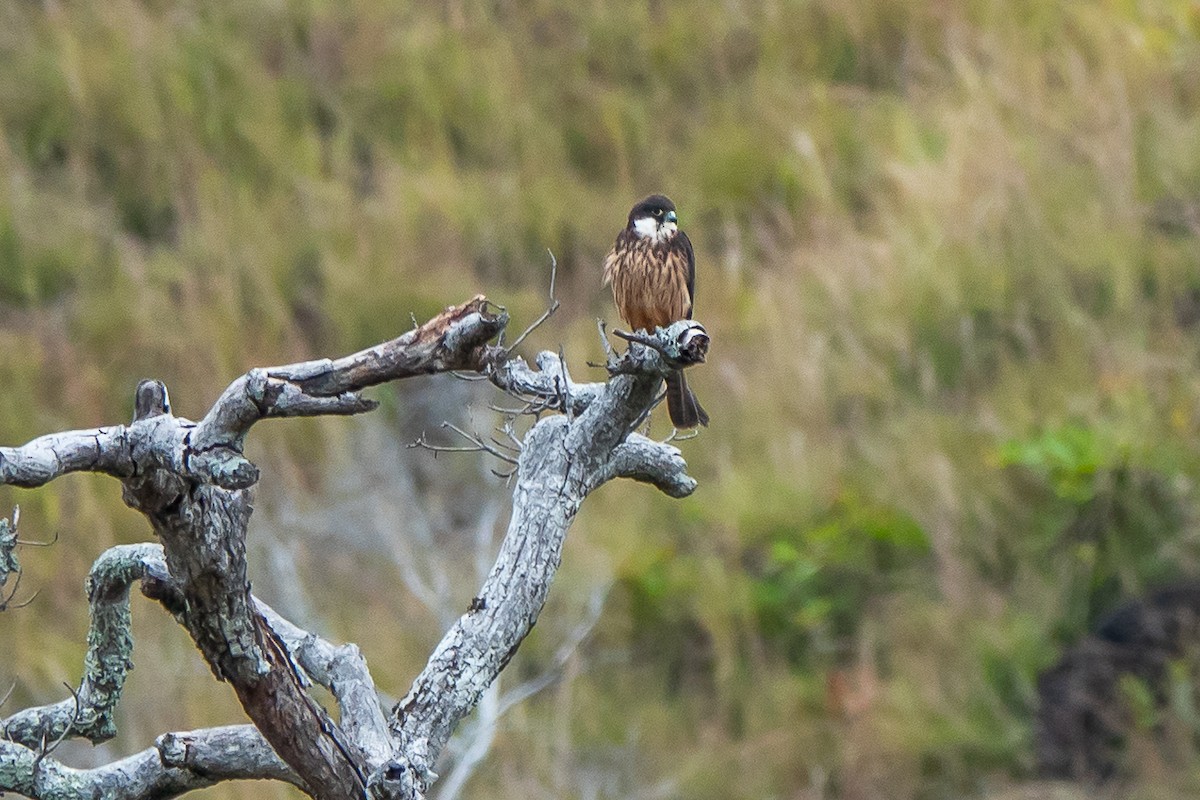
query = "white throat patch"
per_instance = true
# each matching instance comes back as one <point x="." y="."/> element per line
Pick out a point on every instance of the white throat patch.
<point x="648" y="228"/>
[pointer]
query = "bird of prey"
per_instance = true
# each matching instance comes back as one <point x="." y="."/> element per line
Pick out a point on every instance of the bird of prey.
<point x="652" y="269"/>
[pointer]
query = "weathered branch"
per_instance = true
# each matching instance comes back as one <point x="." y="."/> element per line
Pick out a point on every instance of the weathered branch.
<point x="190" y="480"/>
<point x="453" y="340"/>
<point x="89" y="714"/>
<point x="656" y="463"/>
<point x="229" y="752"/>
<point x="683" y="344"/>
<point x="42" y="460"/>
<point x="493" y="705"/>
<point x="190" y="760"/>
<point x="202" y="527"/>
<point x="177" y="764"/>
<point x="545" y="388"/>
<point x="343" y="671"/>
<point x="563" y="460"/>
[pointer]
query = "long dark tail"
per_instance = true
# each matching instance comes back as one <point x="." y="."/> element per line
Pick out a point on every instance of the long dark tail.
<point x="685" y="409"/>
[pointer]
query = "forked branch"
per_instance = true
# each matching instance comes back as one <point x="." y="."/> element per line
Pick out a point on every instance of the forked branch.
<point x="189" y="479"/>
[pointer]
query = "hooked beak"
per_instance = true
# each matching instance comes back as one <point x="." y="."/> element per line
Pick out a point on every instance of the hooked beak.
<point x="671" y="216"/>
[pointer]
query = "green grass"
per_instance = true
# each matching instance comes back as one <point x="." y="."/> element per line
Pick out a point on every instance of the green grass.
<point x="947" y="253"/>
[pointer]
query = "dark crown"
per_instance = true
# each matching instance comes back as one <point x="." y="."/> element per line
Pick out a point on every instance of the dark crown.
<point x="647" y="208"/>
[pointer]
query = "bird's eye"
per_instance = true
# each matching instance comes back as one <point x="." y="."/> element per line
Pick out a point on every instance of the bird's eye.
<point x="658" y="212"/>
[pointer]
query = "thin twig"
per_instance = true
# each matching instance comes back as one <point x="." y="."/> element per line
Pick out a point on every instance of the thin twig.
<point x="6" y="603"/>
<point x="41" y="751"/>
<point x="633" y="426"/>
<point x="537" y="322"/>
<point x="46" y="747"/>
<point x="480" y="443"/>
<point x="602" y="328"/>
<point x="532" y="407"/>
<point x="508" y="430"/>
<point x="554" y="304"/>
<point x="8" y="694"/>
<point x="38" y="544"/>
<point x="565" y="400"/>
<point x="70" y="726"/>
<point x="509" y="412"/>
<point x="477" y="445"/>
<point x="18" y="606"/>
<point x="501" y="444"/>
<point x="424" y="444"/>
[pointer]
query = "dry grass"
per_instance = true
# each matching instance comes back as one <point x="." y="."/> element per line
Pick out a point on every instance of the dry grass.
<point x="947" y="253"/>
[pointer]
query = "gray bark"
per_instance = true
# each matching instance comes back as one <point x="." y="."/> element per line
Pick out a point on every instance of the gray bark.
<point x="190" y="480"/>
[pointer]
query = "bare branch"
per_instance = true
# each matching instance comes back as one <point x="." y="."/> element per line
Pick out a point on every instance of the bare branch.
<point x="511" y="434"/>
<point x="494" y="705"/>
<point x="8" y="546"/>
<point x="9" y="565"/>
<point x="205" y="553"/>
<point x="179" y="763"/>
<point x="48" y="748"/>
<point x="564" y="388"/>
<point x="681" y="436"/>
<point x="343" y="671"/>
<point x="453" y="340"/>
<point x="478" y="441"/>
<point x="190" y="495"/>
<point x="609" y="354"/>
<point x="656" y="463"/>
<point x="34" y="543"/>
<point x="89" y="712"/>
<point x="7" y="603"/>
<point x="229" y="752"/>
<point x="478" y="445"/>
<point x="549" y="312"/>
<point x="30" y="736"/>
<point x="563" y="459"/>
<point x="547" y="386"/>
<point x="642" y="339"/>
<point x="189" y="479"/>
<point x="682" y="344"/>
<point x="47" y="457"/>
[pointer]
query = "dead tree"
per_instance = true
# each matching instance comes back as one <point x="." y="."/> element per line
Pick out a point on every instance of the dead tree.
<point x="192" y="481"/>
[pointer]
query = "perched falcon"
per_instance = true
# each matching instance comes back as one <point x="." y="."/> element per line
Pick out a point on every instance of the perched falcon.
<point x="652" y="269"/>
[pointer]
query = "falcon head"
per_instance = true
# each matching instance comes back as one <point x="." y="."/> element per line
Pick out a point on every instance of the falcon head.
<point x="654" y="218"/>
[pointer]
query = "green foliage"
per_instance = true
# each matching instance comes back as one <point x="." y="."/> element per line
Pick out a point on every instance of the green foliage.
<point x="812" y="586"/>
<point x="1067" y="459"/>
<point x="1106" y="524"/>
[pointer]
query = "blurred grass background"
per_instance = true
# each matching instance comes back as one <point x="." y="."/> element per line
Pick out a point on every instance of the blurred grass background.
<point x="947" y="251"/>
